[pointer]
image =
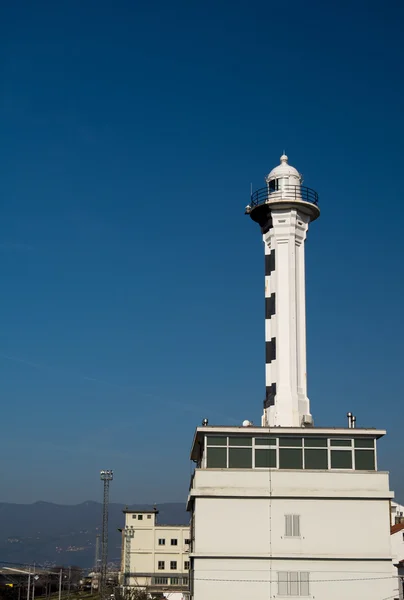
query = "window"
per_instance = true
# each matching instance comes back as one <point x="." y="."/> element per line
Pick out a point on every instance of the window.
<point x="162" y="542"/>
<point x="364" y="454"/>
<point x="341" y="459"/>
<point x="161" y="565"/>
<point x="173" y="565"/>
<point x="265" y="458"/>
<point x="160" y="580"/>
<point x="133" y="516"/>
<point x="290" y="453"/>
<point x="187" y="541"/>
<point x="185" y="581"/>
<point x="140" y="517"/>
<point x="273" y="185"/>
<point x="174" y="542"/>
<point x="293" y="583"/>
<point x="292" y="525"/>
<point x="217" y="458"/>
<point x="315" y="453"/>
<point x="149" y="516"/>
<point x="186" y="563"/>
<point x="174" y="580"/>
<point x="240" y="458"/>
<point x="287" y="452"/>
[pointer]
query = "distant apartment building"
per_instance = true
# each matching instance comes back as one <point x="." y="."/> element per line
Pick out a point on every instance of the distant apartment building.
<point x="397" y="513"/>
<point x="154" y="557"/>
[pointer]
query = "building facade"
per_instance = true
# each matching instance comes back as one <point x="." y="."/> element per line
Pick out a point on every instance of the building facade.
<point x="288" y="512"/>
<point x="397" y="513"/>
<point x="397" y="548"/>
<point x="154" y="557"/>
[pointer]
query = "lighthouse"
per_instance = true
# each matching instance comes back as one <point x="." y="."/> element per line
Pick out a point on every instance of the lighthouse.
<point x="286" y="509"/>
<point x="283" y="209"/>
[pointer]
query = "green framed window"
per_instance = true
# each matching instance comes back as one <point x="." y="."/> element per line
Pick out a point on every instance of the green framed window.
<point x="341" y="459"/>
<point x="217" y="440"/>
<point x="340" y="442"/>
<point x="290" y="442"/>
<point x="310" y="442"/>
<point x="240" y="458"/>
<point x="265" y="458"/>
<point x="316" y="458"/>
<point x="290" y="458"/>
<point x="265" y="441"/>
<point x="364" y="443"/>
<point x="240" y="441"/>
<point x="216" y="458"/>
<point x="364" y="460"/>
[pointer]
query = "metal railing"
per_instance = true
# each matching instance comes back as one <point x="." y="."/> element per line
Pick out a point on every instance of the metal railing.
<point x="286" y="193"/>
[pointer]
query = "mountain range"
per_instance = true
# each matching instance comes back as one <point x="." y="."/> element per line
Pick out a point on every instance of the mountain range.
<point x="55" y="534"/>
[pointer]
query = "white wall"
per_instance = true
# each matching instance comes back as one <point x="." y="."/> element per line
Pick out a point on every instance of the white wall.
<point x="240" y="579"/>
<point x="329" y="527"/>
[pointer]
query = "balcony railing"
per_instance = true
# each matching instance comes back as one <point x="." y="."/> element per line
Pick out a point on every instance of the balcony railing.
<point x="288" y="193"/>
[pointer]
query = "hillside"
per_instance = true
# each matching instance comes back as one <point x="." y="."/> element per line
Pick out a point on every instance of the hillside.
<point x="51" y="533"/>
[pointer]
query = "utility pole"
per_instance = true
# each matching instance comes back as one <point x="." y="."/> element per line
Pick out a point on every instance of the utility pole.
<point x="29" y="583"/>
<point x="70" y="577"/>
<point x="106" y="477"/>
<point x="60" y="583"/>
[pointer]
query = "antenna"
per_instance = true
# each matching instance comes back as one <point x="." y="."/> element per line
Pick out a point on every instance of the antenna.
<point x="106" y="477"/>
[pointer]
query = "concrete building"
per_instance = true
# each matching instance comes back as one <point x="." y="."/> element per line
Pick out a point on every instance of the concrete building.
<point x="154" y="557"/>
<point x="397" y="513"/>
<point x="288" y="509"/>
<point x="397" y="547"/>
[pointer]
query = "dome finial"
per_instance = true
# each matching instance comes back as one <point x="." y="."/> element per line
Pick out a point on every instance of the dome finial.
<point x="284" y="158"/>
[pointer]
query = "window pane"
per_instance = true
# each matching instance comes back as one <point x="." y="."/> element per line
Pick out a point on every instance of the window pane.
<point x="240" y="458"/>
<point x="217" y="458"/>
<point x="216" y="440"/>
<point x="265" y="441"/>
<point x="294" y="583"/>
<point x="315" y="442"/>
<point x="304" y="584"/>
<point x="265" y="459"/>
<point x="341" y="442"/>
<point x="290" y="441"/>
<point x="283" y="583"/>
<point x="364" y="460"/>
<point x="288" y="525"/>
<point x="341" y="459"/>
<point x="316" y="459"/>
<point x="290" y="458"/>
<point x="240" y="441"/>
<point x="296" y="525"/>
<point x="364" y="443"/>
<point x="174" y="580"/>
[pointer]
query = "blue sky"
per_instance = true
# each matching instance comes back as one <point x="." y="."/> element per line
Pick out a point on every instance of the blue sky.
<point x="131" y="281"/>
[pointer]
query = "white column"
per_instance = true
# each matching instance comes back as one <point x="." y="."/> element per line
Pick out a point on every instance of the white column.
<point x="286" y="328"/>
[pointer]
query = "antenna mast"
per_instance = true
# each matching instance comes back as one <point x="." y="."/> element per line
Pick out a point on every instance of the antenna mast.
<point x="106" y="477"/>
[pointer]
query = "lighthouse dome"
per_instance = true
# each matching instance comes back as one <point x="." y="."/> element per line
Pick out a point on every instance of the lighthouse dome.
<point x="285" y="171"/>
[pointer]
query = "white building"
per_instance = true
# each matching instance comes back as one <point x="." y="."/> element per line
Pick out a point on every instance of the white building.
<point x="154" y="557"/>
<point x="287" y="509"/>
<point x="397" y="513"/>
<point x="397" y="547"/>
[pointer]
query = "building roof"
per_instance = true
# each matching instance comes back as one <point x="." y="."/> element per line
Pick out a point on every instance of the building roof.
<point x="153" y="511"/>
<point x="395" y="528"/>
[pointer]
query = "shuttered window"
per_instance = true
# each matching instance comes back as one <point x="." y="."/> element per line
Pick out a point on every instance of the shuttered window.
<point x="292" y="525"/>
<point x="293" y="583"/>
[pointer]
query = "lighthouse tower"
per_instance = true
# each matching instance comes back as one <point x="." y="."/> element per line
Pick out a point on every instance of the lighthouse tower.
<point x="283" y="209"/>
